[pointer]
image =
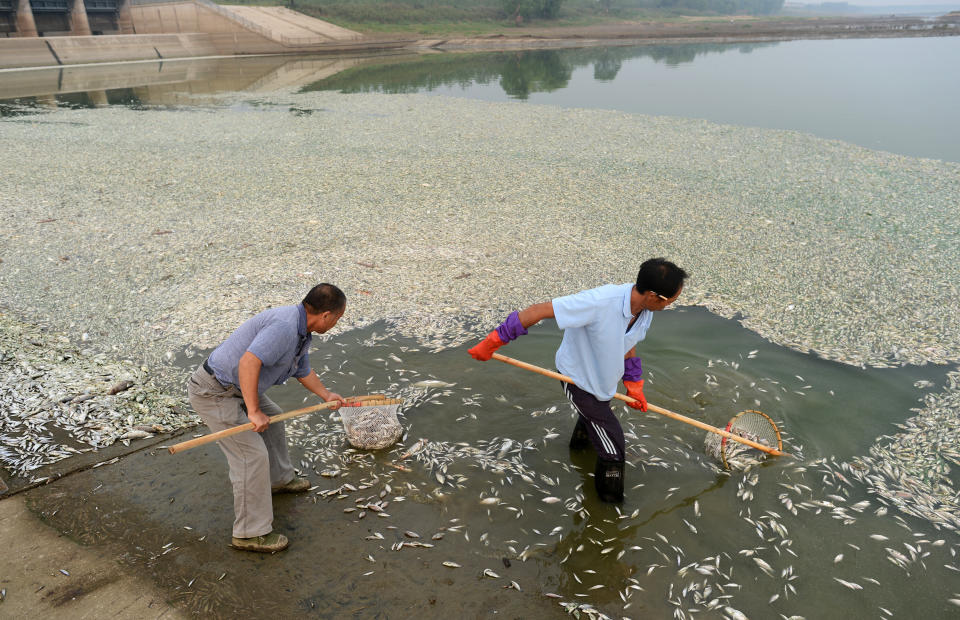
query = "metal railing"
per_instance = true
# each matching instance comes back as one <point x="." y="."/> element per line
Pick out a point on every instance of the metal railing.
<point x="49" y="6"/>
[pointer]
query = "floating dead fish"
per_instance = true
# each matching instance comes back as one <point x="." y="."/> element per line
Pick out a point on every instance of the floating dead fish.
<point x="433" y="383"/>
<point x="848" y="584"/>
<point x="452" y="565"/>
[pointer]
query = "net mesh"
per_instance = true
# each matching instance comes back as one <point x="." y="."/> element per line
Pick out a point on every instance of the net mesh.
<point x="753" y="425"/>
<point x="371" y="427"/>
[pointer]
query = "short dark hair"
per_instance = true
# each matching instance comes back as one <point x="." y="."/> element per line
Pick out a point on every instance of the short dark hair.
<point x="660" y="276"/>
<point x="324" y="298"/>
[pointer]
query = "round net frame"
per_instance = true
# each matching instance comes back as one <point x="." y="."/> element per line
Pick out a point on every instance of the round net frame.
<point x="750" y="424"/>
<point x="371" y="427"/>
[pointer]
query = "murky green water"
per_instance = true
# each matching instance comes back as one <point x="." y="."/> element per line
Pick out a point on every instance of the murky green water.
<point x="888" y="94"/>
<point x="493" y="430"/>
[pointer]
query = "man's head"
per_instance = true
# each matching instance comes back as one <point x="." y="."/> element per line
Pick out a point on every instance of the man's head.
<point x="324" y="304"/>
<point x="661" y="281"/>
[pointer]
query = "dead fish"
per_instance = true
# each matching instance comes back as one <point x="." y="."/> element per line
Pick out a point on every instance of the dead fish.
<point x="429" y="383"/>
<point x="452" y="565"/>
<point x="489" y="573"/>
<point x="487" y="501"/>
<point x="848" y="584"/>
<point x="550" y="500"/>
<point x="764" y="566"/>
<point x="120" y="387"/>
<point x="410" y="534"/>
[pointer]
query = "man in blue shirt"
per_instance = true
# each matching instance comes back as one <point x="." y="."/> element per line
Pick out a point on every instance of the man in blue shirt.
<point x="601" y="327"/>
<point x="228" y="390"/>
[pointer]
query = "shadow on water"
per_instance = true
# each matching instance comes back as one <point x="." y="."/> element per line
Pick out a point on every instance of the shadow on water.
<point x="371" y="538"/>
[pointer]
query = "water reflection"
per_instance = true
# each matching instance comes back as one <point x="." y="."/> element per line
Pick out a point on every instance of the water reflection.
<point x="519" y="74"/>
<point x="162" y="83"/>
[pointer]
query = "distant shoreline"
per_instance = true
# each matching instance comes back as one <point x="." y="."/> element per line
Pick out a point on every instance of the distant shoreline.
<point x="702" y="30"/>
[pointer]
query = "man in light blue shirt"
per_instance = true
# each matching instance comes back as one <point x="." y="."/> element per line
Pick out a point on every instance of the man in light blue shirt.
<point x="601" y="328"/>
<point x="228" y="390"/>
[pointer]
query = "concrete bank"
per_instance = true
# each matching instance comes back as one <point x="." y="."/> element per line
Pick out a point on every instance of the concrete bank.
<point x="53" y="51"/>
<point x="47" y="575"/>
<point x="189" y="29"/>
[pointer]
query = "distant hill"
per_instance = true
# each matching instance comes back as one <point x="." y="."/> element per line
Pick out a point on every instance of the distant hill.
<point x="846" y="8"/>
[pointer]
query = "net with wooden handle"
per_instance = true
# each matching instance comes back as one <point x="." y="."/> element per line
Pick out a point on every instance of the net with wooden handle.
<point x="666" y="412"/>
<point x="370" y="399"/>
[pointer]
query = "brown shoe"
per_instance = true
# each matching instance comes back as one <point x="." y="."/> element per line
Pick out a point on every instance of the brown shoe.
<point x="297" y="485"/>
<point x="270" y="543"/>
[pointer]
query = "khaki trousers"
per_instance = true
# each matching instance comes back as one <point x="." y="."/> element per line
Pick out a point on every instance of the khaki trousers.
<point x="257" y="461"/>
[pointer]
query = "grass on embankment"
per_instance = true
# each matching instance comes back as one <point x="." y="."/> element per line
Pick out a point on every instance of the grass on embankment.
<point x="451" y="18"/>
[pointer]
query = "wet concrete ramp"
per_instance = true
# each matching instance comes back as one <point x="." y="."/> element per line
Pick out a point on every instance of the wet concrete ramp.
<point x="290" y="27"/>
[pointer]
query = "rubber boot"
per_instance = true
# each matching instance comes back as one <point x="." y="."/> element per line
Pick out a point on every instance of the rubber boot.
<point x="579" y="440"/>
<point x="609" y="481"/>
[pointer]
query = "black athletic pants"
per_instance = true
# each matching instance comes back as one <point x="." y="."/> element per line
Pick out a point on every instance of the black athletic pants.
<point x="597" y="423"/>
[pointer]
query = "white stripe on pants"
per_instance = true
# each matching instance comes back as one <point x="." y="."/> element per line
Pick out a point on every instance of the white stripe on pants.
<point x="257" y="461"/>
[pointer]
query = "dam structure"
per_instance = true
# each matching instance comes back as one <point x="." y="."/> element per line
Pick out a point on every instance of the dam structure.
<point x="44" y="33"/>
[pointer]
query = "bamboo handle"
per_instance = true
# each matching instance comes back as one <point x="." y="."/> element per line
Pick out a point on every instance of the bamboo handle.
<point x="199" y="441"/>
<point x="654" y="408"/>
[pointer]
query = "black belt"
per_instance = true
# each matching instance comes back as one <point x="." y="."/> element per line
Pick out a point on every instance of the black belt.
<point x="206" y="366"/>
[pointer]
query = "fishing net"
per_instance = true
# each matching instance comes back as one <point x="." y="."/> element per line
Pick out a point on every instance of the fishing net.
<point x="753" y="425"/>
<point x="372" y="426"/>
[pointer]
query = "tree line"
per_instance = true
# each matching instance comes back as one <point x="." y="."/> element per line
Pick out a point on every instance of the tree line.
<point x="421" y="11"/>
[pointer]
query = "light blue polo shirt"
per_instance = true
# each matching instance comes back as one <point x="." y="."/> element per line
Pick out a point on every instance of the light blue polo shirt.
<point x="595" y="336"/>
<point x="278" y="337"/>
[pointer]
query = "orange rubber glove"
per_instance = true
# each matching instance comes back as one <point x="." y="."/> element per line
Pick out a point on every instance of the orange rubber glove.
<point x="635" y="391"/>
<point x="484" y="351"/>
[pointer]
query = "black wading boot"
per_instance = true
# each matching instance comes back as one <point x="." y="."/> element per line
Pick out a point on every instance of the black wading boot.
<point x="579" y="440"/>
<point x="609" y="481"/>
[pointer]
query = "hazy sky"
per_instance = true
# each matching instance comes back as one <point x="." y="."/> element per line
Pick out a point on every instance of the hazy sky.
<point x="954" y="4"/>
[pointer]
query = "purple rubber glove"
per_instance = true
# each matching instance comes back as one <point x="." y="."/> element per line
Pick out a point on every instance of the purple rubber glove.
<point x="632" y="369"/>
<point x="511" y="328"/>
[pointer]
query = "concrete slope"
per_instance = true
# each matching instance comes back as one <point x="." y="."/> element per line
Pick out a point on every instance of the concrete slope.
<point x="289" y="27"/>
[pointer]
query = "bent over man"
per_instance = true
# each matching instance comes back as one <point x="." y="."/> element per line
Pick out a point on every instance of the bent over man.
<point x="228" y="390"/>
<point x="601" y="328"/>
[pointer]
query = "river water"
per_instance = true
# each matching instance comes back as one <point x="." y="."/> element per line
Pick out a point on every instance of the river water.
<point x="797" y="536"/>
